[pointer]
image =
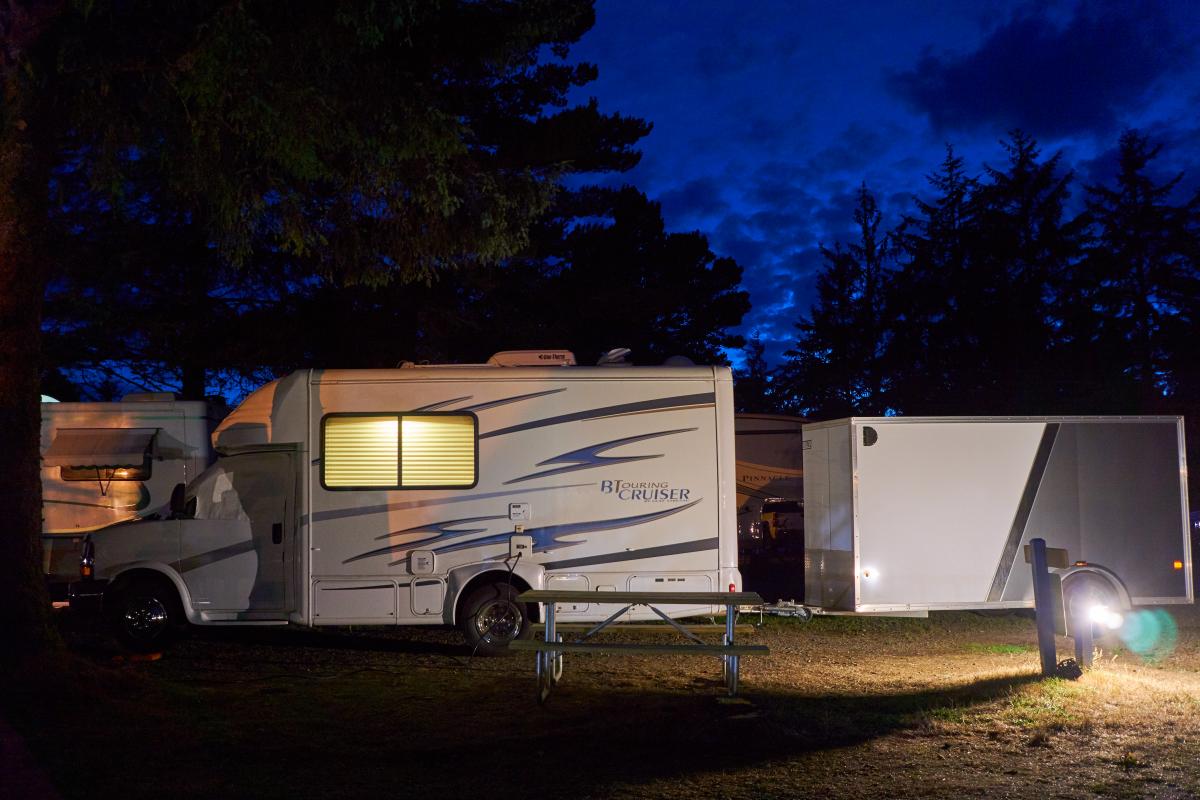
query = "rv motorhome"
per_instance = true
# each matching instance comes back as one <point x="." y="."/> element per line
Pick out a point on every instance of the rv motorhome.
<point x="434" y="495"/>
<point x="104" y="463"/>
<point x="912" y="514"/>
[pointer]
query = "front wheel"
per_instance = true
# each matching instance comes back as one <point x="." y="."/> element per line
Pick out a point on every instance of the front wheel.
<point x="492" y="617"/>
<point x="145" y="614"/>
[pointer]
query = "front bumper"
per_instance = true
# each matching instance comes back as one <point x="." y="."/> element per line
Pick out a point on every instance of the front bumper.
<point x="87" y="597"/>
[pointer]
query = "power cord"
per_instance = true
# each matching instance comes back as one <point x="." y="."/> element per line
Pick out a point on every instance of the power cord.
<point x="508" y="582"/>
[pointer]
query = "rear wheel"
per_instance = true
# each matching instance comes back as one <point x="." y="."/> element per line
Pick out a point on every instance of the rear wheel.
<point x="145" y="614"/>
<point x="1083" y="592"/>
<point x="492" y="617"/>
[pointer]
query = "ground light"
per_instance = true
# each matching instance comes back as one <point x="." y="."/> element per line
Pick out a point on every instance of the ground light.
<point x="1103" y="615"/>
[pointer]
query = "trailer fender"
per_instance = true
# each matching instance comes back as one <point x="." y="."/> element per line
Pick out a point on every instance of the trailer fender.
<point x="462" y="581"/>
<point x="1075" y="575"/>
<point x="121" y="575"/>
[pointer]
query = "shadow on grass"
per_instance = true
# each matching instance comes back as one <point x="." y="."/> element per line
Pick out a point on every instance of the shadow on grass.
<point x="639" y="738"/>
<point x="443" y="731"/>
<point x="371" y="640"/>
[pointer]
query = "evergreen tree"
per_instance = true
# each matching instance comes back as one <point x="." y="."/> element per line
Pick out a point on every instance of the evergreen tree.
<point x="369" y="141"/>
<point x="753" y="388"/>
<point x="929" y="332"/>
<point x="1022" y="246"/>
<point x="1144" y="265"/>
<point x="836" y="367"/>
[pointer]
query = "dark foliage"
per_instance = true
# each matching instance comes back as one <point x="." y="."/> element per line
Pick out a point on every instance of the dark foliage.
<point x="995" y="301"/>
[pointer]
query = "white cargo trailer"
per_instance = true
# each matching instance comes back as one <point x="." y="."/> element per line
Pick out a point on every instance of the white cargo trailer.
<point x="108" y="462"/>
<point x="434" y="495"/>
<point x="908" y="514"/>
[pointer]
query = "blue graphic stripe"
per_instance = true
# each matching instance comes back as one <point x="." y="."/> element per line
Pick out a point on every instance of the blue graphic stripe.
<point x="549" y="537"/>
<point x="589" y="457"/>
<point x="662" y="404"/>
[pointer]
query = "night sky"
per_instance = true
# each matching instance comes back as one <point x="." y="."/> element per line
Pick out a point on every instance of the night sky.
<point x="768" y="115"/>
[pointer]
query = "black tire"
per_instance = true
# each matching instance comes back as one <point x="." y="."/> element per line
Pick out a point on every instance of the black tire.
<point x="492" y="617"/>
<point x="145" y="614"/>
<point x="1081" y="591"/>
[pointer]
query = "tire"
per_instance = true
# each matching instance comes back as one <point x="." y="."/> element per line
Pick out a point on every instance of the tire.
<point x="1081" y="591"/>
<point x="145" y="615"/>
<point x="492" y="617"/>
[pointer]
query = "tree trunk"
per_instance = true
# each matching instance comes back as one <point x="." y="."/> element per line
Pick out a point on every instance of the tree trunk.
<point x="25" y="624"/>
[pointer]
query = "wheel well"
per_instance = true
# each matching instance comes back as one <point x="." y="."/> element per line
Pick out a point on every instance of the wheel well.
<point x="144" y="574"/>
<point x="1099" y="574"/>
<point x="494" y="576"/>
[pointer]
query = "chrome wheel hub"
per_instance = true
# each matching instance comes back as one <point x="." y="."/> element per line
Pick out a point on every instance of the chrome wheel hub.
<point x="145" y="617"/>
<point x="497" y="621"/>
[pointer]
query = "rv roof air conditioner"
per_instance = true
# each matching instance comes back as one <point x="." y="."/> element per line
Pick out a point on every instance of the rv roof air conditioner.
<point x="533" y="358"/>
<point x="615" y="358"/>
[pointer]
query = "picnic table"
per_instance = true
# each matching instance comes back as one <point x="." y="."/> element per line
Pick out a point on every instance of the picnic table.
<point x="549" y="651"/>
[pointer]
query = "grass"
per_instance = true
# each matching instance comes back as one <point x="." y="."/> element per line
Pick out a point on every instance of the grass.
<point x="946" y="707"/>
<point x="1000" y="649"/>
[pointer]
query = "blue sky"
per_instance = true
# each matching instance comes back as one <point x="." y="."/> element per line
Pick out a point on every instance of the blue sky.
<point x="768" y="115"/>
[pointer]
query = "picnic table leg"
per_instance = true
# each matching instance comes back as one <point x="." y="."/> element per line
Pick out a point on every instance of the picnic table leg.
<point x="731" y="660"/>
<point x="549" y="664"/>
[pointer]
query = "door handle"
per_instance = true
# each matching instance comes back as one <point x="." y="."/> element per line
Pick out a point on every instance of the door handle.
<point x="277" y="533"/>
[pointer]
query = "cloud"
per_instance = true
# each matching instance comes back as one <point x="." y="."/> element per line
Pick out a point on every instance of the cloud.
<point x="699" y="197"/>
<point x="1049" y="80"/>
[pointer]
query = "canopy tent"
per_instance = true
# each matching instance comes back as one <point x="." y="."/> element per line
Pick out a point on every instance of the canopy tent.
<point x="100" y="447"/>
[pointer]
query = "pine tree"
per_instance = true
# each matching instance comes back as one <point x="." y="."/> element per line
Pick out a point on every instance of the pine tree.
<point x="930" y="333"/>
<point x="836" y="367"/>
<point x="753" y="388"/>
<point x="1143" y="262"/>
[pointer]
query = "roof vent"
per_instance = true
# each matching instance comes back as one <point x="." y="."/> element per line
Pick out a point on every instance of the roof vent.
<point x="615" y="358"/>
<point x="533" y="358"/>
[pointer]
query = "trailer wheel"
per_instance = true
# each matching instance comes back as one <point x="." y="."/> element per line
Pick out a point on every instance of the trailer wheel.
<point x="492" y="617"/>
<point x="145" y="614"/>
<point x="1081" y="592"/>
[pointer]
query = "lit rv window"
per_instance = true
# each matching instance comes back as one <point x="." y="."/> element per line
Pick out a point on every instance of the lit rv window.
<point x="411" y="451"/>
<point x="106" y="474"/>
<point x="437" y="450"/>
<point x="361" y="451"/>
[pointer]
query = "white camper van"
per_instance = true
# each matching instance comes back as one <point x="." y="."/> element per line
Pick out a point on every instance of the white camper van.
<point x="912" y="514"/>
<point x="104" y="463"/>
<point x="434" y="495"/>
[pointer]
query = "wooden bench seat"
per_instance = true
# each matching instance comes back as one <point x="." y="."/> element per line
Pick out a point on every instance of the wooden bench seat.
<point x="623" y="647"/>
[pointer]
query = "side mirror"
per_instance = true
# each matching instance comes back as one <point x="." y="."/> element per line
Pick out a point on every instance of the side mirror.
<point x="178" y="504"/>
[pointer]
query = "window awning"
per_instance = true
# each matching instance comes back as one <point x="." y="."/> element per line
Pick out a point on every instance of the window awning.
<point x="99" y="447"/>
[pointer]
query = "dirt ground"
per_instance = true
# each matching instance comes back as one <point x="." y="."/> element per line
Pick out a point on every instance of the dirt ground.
<point x="841" y="708"/>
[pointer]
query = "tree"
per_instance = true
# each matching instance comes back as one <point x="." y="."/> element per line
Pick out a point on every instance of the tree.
<point x="836" y="367"/>
<point x="492" y="87"/>
<point x="935" y="251"/>
<point x="753" y="389"/>
<point x="370" y="141"/>
<point x="1143" y="265"/>
<point x="1021" y="247"/>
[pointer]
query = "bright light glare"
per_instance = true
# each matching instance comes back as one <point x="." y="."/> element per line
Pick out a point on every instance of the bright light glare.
<point x="1102" y="615"/>
<point x="870" y="572"/>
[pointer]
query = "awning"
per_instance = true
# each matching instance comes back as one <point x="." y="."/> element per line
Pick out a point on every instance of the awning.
<point x="99" y="447"/>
